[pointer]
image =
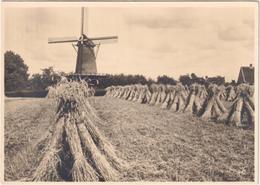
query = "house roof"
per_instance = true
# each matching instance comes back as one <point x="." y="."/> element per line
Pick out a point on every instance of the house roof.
<point x="246" y="75"/>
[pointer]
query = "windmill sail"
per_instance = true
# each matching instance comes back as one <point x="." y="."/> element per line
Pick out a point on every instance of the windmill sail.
<point x="62" y="40"/>
<point x="104" y="40"/>
<point x="82" y="21"/>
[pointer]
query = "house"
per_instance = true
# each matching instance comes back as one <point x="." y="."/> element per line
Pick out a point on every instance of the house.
<point x="246" y="75"/>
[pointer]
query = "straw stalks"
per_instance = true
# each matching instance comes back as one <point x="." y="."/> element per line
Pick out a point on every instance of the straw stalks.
<point x="47" y="169"/>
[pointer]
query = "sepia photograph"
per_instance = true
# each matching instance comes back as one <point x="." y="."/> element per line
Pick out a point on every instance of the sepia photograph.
<point x="151" y="92"/>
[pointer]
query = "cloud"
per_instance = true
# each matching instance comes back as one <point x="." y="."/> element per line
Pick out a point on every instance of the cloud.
<point x="249" y="22"/>
<point x="157" y="22"/>
<point x="165" y="48"/>
<point x="239" y="32"/>
<point x="155" y="18"/>
<point x="162" y="23"/>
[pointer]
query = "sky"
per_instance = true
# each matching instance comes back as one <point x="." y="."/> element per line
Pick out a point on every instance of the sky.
<point x="176" y="40"/>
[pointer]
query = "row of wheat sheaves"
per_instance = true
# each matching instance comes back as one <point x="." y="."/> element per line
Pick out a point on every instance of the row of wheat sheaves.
<point x="77" y="151"/>
<point x="233" y="105"/>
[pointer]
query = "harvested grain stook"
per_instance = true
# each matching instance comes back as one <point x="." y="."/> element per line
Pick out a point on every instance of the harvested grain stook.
<point x="242" y="110"/>
<point x="77" y="151"/>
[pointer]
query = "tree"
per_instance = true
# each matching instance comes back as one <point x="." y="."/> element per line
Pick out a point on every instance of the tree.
<point x="193" y="76"/>
<point x="47" y="78"/>
<point x="219" y="80"/>
<point x="121" y="79"/>
<point x="196" y="79"/>
<point x="185" y="80"/>
<point x="36" y="82"/>
<point x="166" y="80"/>
<point x="150" y="81"/>
<point x="16" y="72"/>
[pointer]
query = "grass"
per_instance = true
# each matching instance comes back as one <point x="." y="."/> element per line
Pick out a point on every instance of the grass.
<point x="158" y="145"/>
<point x="26" y="123"/>
<point x="161" y="145"/>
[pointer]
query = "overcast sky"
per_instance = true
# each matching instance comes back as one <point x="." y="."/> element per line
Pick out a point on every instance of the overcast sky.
<point x="152" y="40"/>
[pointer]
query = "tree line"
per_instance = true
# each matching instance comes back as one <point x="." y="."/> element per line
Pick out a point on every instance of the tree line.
<point x="17" y="77"/>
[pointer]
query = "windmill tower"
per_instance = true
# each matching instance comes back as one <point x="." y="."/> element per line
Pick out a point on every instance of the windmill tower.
<point x="84" y="46"/>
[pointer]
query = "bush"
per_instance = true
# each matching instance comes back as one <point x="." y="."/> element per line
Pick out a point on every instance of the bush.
<point x="26" y="93"/>
<point x="100" y="92"/>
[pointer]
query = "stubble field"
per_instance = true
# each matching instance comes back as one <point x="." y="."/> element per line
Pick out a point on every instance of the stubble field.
<point x="156" y="144"/>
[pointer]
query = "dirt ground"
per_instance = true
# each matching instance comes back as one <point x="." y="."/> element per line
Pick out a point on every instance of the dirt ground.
<point x="158" y="145"/>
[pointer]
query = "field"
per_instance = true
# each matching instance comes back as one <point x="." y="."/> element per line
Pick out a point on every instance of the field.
<point x="157" y="145"/>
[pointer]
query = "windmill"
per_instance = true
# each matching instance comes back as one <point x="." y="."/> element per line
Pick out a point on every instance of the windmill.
<point x="84" y="46"/>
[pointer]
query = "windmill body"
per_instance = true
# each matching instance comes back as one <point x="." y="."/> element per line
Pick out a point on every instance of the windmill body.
<point x="86" y="58"/>
<point x="85" y="48"/>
